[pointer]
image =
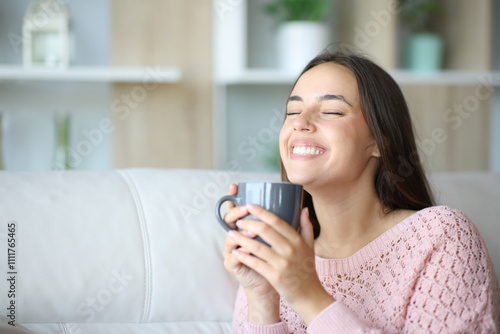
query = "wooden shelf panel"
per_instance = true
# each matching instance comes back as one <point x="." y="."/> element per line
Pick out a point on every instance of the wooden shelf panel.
<point x="92" y="74"/>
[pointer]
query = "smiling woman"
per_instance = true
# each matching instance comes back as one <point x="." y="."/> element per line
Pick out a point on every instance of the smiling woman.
<point x="373" y="253"/>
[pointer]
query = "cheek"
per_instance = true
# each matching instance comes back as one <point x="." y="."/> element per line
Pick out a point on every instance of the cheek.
<point x="349" y="139"/>
<point x="283" y="138"/>
<point x="364" y="135"/>
<point x="356" y="131"/>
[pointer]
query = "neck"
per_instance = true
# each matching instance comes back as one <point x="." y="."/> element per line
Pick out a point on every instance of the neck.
<point x="349" y="218"/>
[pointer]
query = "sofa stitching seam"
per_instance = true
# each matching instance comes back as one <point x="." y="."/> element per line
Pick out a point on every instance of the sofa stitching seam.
<point x="146" y="244"/>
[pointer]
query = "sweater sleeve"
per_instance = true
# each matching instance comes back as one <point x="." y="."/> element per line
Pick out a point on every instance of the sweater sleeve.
<point x="456" y="291"/>
<point x="337" y="318"/>
<point x="242" y="325"/>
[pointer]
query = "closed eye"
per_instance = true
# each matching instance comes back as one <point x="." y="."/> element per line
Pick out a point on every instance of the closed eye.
<point x="332" y="113"/>
<point x="292" y="113"/>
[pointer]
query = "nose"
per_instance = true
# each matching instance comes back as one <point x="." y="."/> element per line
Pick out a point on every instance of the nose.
<point x="303" y="122"/>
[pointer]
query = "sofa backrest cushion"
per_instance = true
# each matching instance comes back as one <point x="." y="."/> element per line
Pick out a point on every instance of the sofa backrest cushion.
<point x="135" y="245"/>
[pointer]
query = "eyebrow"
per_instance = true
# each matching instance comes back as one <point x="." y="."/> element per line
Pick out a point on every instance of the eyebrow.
<point x="326" y="97"/>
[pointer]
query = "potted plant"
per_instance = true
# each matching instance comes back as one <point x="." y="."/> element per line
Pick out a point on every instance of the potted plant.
<point x="301" y="30"/>
<point x="424" y="46"/>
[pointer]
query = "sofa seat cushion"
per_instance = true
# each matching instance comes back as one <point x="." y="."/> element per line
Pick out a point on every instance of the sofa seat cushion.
<point x="197" y="327"/>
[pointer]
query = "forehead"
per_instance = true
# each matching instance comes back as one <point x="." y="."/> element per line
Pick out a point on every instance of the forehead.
<point x="327" y="78"/>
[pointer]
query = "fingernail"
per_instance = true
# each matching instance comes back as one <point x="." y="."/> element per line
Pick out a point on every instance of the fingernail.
<point x="250" y="207"/>
<point x="243" y="209"/>
<point x="238" y="222"/>
<point x="235" y="252"/>
<point x="231" y="233"/>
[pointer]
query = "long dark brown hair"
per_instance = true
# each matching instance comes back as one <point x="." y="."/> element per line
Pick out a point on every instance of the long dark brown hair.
<point x="400" y="181"/>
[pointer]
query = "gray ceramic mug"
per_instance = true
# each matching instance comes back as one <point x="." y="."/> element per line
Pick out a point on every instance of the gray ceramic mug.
<point x="282" y="198"/>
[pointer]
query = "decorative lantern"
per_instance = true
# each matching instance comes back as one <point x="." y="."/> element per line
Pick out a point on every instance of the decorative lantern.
<point x="46" y="35"/>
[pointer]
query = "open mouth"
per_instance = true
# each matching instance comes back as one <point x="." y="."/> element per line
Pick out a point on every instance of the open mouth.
<point x="307" y="150"/>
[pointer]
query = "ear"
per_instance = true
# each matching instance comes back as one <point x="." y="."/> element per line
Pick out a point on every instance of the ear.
<point x="375" y="152"/>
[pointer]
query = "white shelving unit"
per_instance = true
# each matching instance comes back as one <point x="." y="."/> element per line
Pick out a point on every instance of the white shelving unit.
<point x="92" y="74"/>
<point x="30" y="97"/>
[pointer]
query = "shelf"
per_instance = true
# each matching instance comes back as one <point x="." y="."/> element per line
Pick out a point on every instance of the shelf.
<point x="452" y="78"/>
<point x="92" y="74"/>
<point x="459" y="78"/>
<point x="259" y="76"/>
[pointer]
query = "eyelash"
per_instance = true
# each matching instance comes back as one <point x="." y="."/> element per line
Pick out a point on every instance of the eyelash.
<point x="333" y="113"/>
<point x="324" y="112"/>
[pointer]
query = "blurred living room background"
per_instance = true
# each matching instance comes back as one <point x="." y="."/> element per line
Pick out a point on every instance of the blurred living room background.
<point x="200" y="84"/>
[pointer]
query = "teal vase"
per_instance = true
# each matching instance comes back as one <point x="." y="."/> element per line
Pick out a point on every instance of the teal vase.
<point x="424" y="52"/>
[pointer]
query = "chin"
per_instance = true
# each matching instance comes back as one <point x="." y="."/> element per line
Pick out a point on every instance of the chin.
<point x="299" y="177"/>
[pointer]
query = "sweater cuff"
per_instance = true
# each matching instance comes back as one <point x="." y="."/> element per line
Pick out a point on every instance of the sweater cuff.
<point x="336" y="318"/>
<point x="277" y="328"/>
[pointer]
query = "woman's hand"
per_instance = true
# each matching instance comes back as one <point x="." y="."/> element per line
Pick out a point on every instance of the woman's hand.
<point x="288" y="265"/>
<point x="263" y="300"/>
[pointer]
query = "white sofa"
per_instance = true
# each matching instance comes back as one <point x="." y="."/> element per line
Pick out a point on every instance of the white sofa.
<point x="139" y="250"/>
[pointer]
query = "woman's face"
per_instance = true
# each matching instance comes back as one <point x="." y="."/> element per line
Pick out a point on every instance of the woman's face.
<point x="325" y="138"/>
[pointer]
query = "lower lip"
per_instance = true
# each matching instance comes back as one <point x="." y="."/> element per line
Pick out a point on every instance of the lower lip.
<point x="305" y="157"/>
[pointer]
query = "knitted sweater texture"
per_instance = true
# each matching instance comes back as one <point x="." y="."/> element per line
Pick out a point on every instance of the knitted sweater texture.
<point x="430" y="273"/>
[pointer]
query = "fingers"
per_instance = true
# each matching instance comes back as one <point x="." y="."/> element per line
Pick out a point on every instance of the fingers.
<point x="250" y="252"/>
<point x="270" y="235"/>
<point x="273" y="221"/>
<point x="232" y="247"/>
<point x="288" y="265"/>
<point x="271" y="228"/>
<point x="233" y="212"/>
<point x="253" y="262"/>
<point x="233" y="190"/>
<point x="231" y="244"/>
<point x="282" y="238"/>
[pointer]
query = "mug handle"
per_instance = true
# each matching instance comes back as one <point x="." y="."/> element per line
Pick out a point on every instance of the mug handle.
<point x="221" y="201"/>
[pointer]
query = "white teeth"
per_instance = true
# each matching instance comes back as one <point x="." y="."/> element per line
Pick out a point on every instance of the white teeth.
<point x="302" y="150"/>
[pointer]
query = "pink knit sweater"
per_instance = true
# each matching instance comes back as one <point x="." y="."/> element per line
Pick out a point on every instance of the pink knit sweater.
<point x="430" y="273"/>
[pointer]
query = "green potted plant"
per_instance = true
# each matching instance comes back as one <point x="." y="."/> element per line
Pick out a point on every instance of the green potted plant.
<point x="424" y="46"/>
<point x="301" y="30"/>
<point x="297" y="10"/>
